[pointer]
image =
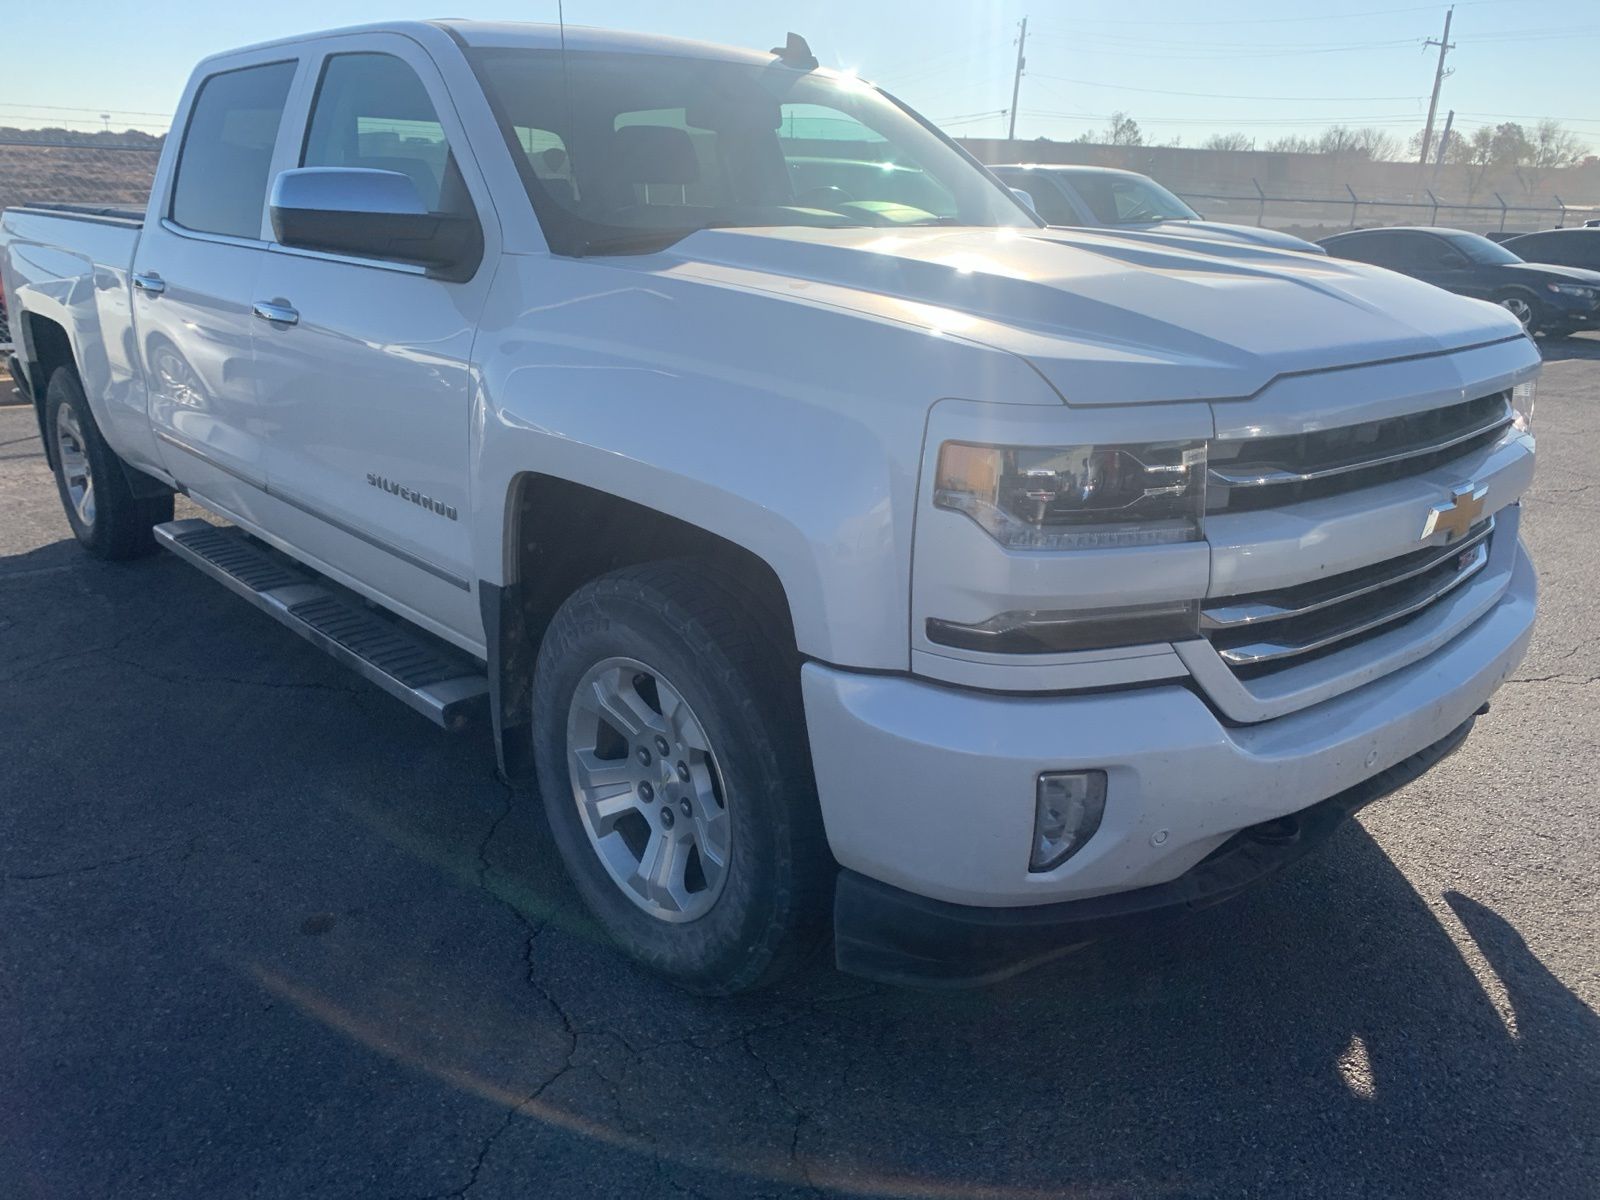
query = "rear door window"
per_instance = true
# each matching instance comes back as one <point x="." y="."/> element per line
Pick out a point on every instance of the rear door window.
<point x="226" y="156"/>
<point x="1375" y="248"/>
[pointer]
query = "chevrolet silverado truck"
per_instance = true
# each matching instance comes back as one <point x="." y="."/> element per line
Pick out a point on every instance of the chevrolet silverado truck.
<point x="833" y="563"/>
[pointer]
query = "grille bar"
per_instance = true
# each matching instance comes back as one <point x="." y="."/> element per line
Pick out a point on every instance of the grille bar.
<point x="1327" y="627"/>
<point x="1247" y="474"/>
<point x="1265" y="607"/>
<point x="1253" y="475"/>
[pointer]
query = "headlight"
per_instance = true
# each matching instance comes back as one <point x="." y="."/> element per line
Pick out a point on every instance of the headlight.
<point x="1576" y="290"/>
<point x="1522" y="406"/>
<point x="1076" y="497"/>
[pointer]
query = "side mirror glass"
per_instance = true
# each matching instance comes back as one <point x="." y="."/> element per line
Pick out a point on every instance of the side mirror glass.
<point x="372" y="214"/>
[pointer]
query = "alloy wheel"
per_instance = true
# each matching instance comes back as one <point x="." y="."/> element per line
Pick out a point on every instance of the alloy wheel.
<point x="1519" y="308"/>
<point x="649" y="790"/>
<point x="74" y="460"/>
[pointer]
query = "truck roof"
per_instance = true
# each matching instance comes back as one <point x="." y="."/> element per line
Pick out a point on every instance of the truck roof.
<point x="535" y="36"/>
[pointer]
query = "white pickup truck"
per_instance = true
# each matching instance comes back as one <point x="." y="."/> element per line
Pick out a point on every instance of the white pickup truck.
<point x="882" y="564"/>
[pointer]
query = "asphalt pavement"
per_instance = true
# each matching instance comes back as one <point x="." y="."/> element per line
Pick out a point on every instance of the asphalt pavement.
<point x="264" y="932"/>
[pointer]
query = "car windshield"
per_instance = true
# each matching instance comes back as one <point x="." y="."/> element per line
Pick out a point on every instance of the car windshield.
<point x="628" y="152"/>
<point x="1129" y="199"/>
<point x="1481" y="250"/>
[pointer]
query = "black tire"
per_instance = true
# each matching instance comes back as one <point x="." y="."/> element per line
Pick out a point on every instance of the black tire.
<point x="691" y="626"/>
<point x="117" y="525"/>
<point x="1556" y="333"/>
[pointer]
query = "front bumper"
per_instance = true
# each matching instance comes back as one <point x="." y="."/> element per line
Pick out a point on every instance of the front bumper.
<point x="929" y="789"/>
<point x="1569" y="310"/>
<point x="884" y="933"/>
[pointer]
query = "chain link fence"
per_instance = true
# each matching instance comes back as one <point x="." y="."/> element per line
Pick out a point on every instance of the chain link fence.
<point x="46" y="170"/>
<point x="103" y="174"/>
<point x="1315" y="216"/>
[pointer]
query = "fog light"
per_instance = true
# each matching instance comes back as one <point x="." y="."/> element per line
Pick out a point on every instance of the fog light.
<point x="1067" y="812"/>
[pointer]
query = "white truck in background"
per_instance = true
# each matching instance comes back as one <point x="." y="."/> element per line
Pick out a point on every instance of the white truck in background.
<point x="834" y="562"/>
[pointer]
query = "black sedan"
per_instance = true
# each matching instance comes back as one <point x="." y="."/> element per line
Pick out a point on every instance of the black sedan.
<point x="1548" y="299"/>
<point x="1563" y="247"/>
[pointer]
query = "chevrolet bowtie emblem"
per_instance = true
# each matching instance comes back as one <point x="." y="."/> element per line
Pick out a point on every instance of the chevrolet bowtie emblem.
<point x="1457" y="515"/>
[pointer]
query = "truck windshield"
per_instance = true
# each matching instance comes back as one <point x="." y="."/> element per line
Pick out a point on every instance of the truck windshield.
<point x="622" y="153"/>
<point x="1129" y="199"/>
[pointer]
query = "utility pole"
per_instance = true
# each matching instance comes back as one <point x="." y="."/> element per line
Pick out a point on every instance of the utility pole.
<point x="1016" y="81"/>
<point x="1444" y="143"/>
<point x="1445" y="46"/>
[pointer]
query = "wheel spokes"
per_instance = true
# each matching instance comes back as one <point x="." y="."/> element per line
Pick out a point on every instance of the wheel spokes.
<point x="648" y="789"/>
<point x="660" y="875"/>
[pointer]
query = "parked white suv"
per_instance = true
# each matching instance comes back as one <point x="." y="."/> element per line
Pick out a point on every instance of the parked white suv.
<point x="873" y="562"/>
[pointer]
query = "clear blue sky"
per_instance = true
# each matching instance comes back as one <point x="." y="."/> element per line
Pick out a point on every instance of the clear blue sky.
<point x="1264" y="67"/>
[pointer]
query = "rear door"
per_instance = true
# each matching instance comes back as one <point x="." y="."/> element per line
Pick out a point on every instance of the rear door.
<point x="368" y="393"/>
<point x="194" y="277"/>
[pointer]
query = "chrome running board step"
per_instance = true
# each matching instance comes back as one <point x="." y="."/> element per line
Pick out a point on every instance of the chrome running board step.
<point x="438" y="681"/>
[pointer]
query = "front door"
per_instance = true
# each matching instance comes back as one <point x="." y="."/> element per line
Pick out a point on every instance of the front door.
<point x="1445" y="266"/>
<point x="365" y="387"/>
<point x="194" y="278"/>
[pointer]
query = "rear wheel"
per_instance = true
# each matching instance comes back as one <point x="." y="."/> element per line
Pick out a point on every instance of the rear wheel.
<point x="106" y="517"/>
<point x="675" y="776"/>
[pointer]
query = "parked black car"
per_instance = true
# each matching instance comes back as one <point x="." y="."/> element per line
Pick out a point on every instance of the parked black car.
<point x="1563" y="247"/>
<point x="1548" y="299"/>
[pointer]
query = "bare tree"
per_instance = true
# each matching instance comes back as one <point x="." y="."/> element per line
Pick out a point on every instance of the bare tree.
<point x="1551" y="146"/>
<point x="1369" y="142"/>
<point x="1229" y="141"/>
<point x="1123" y="131"/>
<point x="1293" y="144"/>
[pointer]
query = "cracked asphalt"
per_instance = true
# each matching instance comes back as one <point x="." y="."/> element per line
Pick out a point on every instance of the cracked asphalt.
<point x="264" y="932"/>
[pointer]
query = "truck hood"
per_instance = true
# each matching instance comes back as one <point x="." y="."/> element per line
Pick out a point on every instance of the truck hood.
<point x="1220" y="231"/>
<point x="1107" y="318"/>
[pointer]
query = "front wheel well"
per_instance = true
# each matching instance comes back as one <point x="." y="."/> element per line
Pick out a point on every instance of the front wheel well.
<point x="559" y="536"/>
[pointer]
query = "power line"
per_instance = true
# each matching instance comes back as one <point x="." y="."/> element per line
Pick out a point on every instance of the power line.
<point x="1122" y="87"/>
<point x="1187" y="45"/>
<point x="132" y="112"/>
<point x="1396" y="119"/>
<point x="93" y="123"/>
<point x="1371" y="12"/>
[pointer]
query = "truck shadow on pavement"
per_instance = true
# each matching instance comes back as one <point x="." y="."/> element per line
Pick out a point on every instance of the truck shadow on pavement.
<point x="265" y="927"/>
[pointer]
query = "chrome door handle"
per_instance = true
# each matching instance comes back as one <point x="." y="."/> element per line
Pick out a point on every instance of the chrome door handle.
<point x="278" y="314"/>
<point x="150" y="284"/>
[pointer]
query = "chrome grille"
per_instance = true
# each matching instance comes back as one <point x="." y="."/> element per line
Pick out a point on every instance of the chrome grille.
<point x="1267" y="631"/>
<point x="1255" y="473"/>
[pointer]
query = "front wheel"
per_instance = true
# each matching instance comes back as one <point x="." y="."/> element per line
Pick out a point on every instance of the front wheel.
<point x="108" y="520"/>
<point x="675" y="776"/>
<point x="1521" y="306"/>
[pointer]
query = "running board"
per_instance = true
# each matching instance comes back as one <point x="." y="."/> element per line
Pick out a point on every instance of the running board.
<point x="439" y="682"/>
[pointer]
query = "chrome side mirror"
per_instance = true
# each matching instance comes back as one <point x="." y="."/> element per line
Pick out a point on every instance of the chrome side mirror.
<point x="372" y="214"/>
